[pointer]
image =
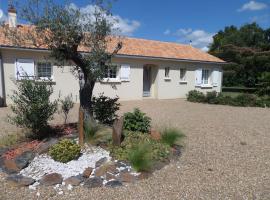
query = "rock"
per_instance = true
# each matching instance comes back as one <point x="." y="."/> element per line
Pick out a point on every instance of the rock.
<point x="112" y="169"/>
<point x="127" y="177"/>
<point x="51" y="179"/>
<point x="24" y="159"/>
<point x="87" y="172"/>
<point x="74" y="180"/>
<point x="176" y="150"/>
<point x="100" y="162"/>
<point x="10" y="167"/>
<point x="114" y="183"/>
<point x="110" y="176"/>
<point x="3" y="151"/>
<point x="93" y="182"/>
<point x="101" y="171"/>
<point x="117" y="134"/>
<point x="144" y="175"/>
<point x="155" y="135"/>
<point x="20" y="180"/>
<point x="44" y="148"/>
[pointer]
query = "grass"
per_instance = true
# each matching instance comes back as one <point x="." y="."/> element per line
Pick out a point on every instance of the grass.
<point x="11" y="139"/>
<point x="171" y="136"/>
<point x="231" y="94"/>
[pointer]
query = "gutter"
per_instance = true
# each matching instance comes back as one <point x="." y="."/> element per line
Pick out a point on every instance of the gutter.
<point x="118" y="55"/>
<point x="2" y="78"/>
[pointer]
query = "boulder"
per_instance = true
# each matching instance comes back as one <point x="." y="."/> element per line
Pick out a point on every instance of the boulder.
<point x="100" y="162"/>
<point x="110" y="176"/>
<point x="155" y="135"/>
<point x="101" y="171"/>
<point x="20" y="180"/>
<point x="24" y="159"/>
<point x="9" y="166"/>
<point x="114" y="183"/>
<point x="74" y="180"/>
<point x="93" y="182"/>
<point x="87" y="172"/>
<point x="51" y="179"/>
<point x="127" y="177"/>
<point x="112" y="169"/>
<point x="117" y="134"/>
<point x="44" y="147"/>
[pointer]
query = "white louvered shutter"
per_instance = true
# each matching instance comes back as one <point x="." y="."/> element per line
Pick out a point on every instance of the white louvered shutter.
<point x="215" y="77"/>
<point x="198" y="77"/>
<point x="25" y="67"/>
<point x="125" y="73"/>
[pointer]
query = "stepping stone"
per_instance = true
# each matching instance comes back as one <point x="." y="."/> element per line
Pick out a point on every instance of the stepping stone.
<point x="93" y="182"/>
<point x="20" y="180"/>
<point x="87" y="172"/>
<point x="51" y="179"/>
<point x="114" y="183"/>
<point x="74" y="180"/>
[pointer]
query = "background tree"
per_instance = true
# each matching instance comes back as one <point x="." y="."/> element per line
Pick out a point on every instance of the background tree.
<point x="81" y="39"/>
<point x="247" y="49"/>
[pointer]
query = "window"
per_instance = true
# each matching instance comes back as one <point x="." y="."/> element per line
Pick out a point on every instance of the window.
<point x="167" y="72"/>
<point x="183" y="74"/>
<point x="111" y="72"/>
<point x="205" y="76"/>
<point x="44" y="70"/>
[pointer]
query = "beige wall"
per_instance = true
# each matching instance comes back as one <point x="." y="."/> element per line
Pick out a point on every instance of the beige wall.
<point x="66" y="83"/>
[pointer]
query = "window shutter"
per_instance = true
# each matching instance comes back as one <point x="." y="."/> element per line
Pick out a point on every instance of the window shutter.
<point x="198" y="77"/>
<point x="215" y="77"/>
<point x="25" y="67"/>
<point x="125" y="73"/>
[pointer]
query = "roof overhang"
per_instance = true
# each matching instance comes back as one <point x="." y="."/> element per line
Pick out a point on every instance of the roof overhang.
<point x="118" y="55"/>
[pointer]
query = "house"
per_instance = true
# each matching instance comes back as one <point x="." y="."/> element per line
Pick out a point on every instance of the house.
<point x="145" y="69"/>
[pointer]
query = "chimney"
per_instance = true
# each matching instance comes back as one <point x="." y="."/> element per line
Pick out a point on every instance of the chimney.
<point x="12" y="17"/>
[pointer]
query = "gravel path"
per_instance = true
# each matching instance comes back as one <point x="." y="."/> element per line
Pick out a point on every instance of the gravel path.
<point x="226" y="156"/>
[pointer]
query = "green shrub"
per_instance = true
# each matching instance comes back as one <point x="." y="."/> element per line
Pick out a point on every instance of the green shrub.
<point x="66" y="105"/>
<point x="137" y="121"/>
<point x="105" y="108"/>
<point x="90" y="129"/>
<point x="211" y="97"/>
<point x="170" y="136"/>
<point x="32" y="106"/>
<point x="224" y="100"/>
<point x="245" y="100"/>
<point x="140" y="158"/>
<point x="65" y="151"/>
<point x="196" y="96"/>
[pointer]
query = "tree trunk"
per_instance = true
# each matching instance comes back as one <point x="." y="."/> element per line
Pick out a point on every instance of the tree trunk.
<point x="86" y="92"/>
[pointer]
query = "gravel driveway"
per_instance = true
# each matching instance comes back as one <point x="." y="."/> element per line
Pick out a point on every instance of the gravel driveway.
<point x="226" y="156"/>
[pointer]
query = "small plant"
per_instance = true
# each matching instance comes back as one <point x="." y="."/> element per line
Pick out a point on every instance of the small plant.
<point x="211" y="97"/>
<point x="245" y="100"/>
<point x="137" y="121"/>
<point x="65" y="151"/>
<point x="140" y="158"/>
<point x="196" y="96"/>
<point x="170" y="136"/>
<point x="105" y="108"/>
<point x="90" y="129"/>
<point x="66" y="105"/>
<point x="32" y="106"/>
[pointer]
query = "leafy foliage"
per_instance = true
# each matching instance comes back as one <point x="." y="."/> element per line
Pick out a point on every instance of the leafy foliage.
<point x="32" y="106"/>
<point x="105" y="108"/>
<point x="247" y="49"/>
<point x="195" y="96"/>
<point x="170" y="136"/>
<point x="264" y="88"/>
<point x="66" y="105"/>
<point x="137" y="121"/>
<point x="90" y="129"/>
<point x="65" y="151"/>
<point x="139" y="157"/>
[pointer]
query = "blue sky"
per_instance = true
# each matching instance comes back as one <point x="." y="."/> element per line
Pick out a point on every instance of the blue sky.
<point x="182" y="20"/>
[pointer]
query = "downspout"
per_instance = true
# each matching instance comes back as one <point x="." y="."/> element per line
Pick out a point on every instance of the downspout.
<point x="2" y="79"/>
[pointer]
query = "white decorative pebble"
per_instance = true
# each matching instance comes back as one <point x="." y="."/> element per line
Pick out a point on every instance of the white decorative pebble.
<point x="69" y="187"/>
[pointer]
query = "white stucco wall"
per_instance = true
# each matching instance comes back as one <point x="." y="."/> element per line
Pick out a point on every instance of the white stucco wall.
<point x="66" y="83"/>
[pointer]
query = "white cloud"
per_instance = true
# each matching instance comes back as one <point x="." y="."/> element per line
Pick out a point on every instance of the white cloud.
<point x="2" y="16"/>
<point x="122" y="25"/>
<point x="199" y="38"/>
<point x="253" y="6"/>
<point x="167" y="32"/>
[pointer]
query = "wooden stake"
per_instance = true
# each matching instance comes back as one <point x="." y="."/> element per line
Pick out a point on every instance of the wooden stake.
<point x="81" y="131"/>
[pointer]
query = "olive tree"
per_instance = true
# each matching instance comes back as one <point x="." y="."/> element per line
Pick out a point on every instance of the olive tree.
<point x="82" y="39"/>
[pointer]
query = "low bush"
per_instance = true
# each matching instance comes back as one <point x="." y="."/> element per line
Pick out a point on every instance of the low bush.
<point x="66" y="105"/>
<point x="245" y="100"/>
<point x="170" y="136"/>
<point x="90" y="129"/>
<point x="105" y="108"/>
<point x="140" y="158"/>
<point x="32" y="106"/>
<point x="211" y="97"/>
<point x="137" y="121"/>
<point x="196" y="96"/>
<point x="65" y="151"/>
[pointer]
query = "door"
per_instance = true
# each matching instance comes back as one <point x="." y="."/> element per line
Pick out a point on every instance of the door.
<point x="146" y="81"/>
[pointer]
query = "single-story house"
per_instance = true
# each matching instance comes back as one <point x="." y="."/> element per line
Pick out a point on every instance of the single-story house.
<point x="146" y="69"/>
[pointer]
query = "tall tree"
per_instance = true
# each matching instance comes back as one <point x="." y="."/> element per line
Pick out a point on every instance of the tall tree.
<point x="82" y="39"/>
<point x="247" y="49"/>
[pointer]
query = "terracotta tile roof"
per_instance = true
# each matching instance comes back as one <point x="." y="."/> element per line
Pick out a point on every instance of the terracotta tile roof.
<point x="137" y="47"/>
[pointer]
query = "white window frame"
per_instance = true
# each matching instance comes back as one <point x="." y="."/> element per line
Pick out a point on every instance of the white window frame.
<point x="203" y="81"/>
<point x="183" y="79"/>
<point x="116" y="79"/>
<point x="167" y="73"/>
<point x="36" y="71"/>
